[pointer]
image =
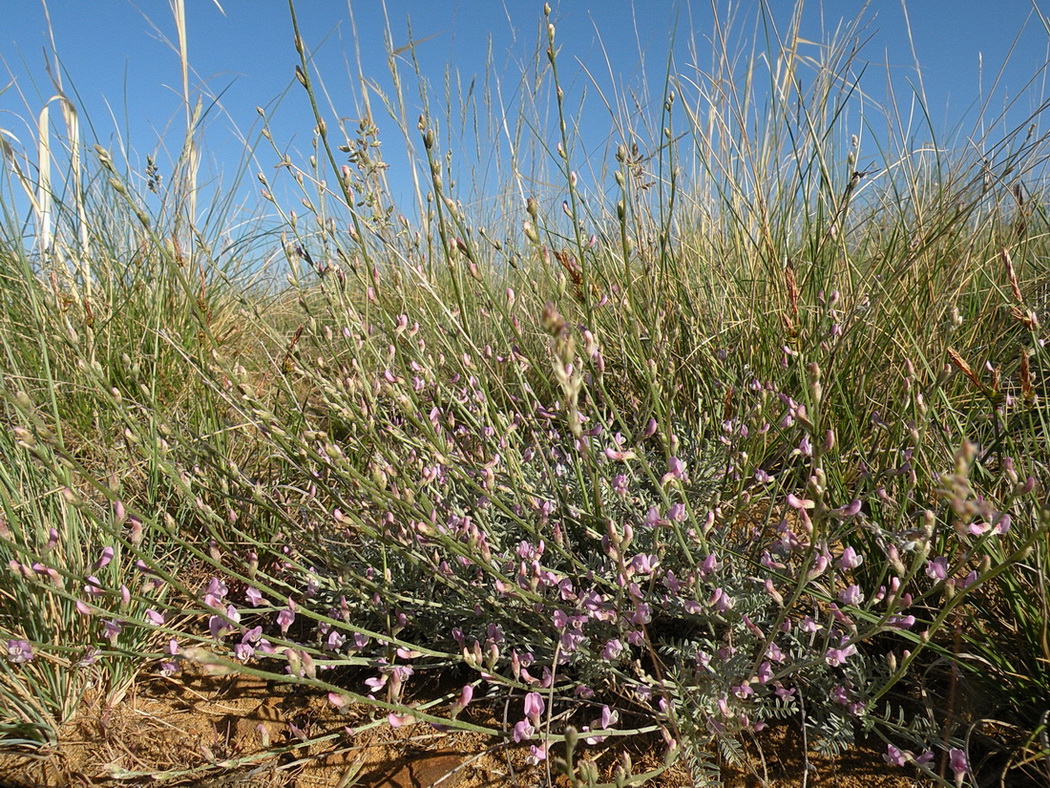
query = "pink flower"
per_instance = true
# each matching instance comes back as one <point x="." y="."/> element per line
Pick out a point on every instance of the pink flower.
<point x="604" y="723"/>
<point x="850" y="559"/>
<point x="244" y="651"/>
<point x="957" y="761"/>
<point x="466" y="695"/>
<point x="893" y="756"/>
<point x="851" y="595"/>
<point x="254" y="596"/>
<point x="376" y="683"/>
<point x="799" y="503"/>
<point x="218" y="626"/>
<point x="536" y="755"/>
<point x="93" y="587"/>
<point x="849" y="510"/>
<point x="534" y="706"/>
<point x="19" y="652"/>
<point x="644" y="564"/>
<point x="217" y="588"/>
<point x="901" y="622"/>
<point x="937" y="568"/>
<point x="838" y="656"/>
<point x="336" y="699"/>
<point x="765" y="672"/>
<point x="107" y="556"/>
<point x="612" y="649"/>
<point x="284" y="620"/>
<point x="675" y="470"/>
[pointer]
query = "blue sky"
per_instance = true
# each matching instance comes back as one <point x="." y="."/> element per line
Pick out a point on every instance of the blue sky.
<point x="126" y="77"/>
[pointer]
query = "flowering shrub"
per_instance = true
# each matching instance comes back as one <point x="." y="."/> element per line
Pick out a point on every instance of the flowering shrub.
<point x="671" y="471"/>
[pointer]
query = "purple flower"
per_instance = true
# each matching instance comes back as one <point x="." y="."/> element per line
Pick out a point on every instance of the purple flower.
<point x="808" y="624"/>
<point x="782" y="692"/>
<point x="675" y="470"/>
<point x="466" y="695"/>
<point x="19" y="652"/>
<point x="720" y="600"/>
<point x="244" y="651"/>
<point x="652" y="518"/>
<point x="765" y="672"/>
<point x="522" y="731"/>
<point x="337" y="700"/>
<point x="254" y="596"/>
<point x="93" y="587"/>
<point x="111" y="629"/>
<point x="850" y="559"/>
<point x="893" y="756"/>
<point x="155" y="618"/>
<point x="571" y="640"/>
<point x="957" y="761"/>
<point x="645" y="564"/>
<point x="376" y="683"/>
<point x="284" y="620"/>
<point x="710" y="564"/>
<point x="536" y="755"/>
<point x="851" y="595"/>
<point x="604" y="723"/>
<point x="534" y="706"/>
<point x="218" y="626"/>
<point x="849" y="510"/>
<point x="838" y="656"/>
<point x="612" y="649"/>
<point x="90" y="657"/>
<point x="107" y="556"/>
<point x="743" y="690"/>
<point x="217" y="588"/>
<point x="799" y="503"/>
<point x="937" y="568"/>
<point x="643" y="615"/>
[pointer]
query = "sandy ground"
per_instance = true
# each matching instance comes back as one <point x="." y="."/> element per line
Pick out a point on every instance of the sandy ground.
<point x="223" y="730"/>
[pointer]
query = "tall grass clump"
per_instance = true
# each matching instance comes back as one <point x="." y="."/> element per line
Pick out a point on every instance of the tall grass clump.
<point x="756" y="436"/>
<point x="102" y="307"/>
